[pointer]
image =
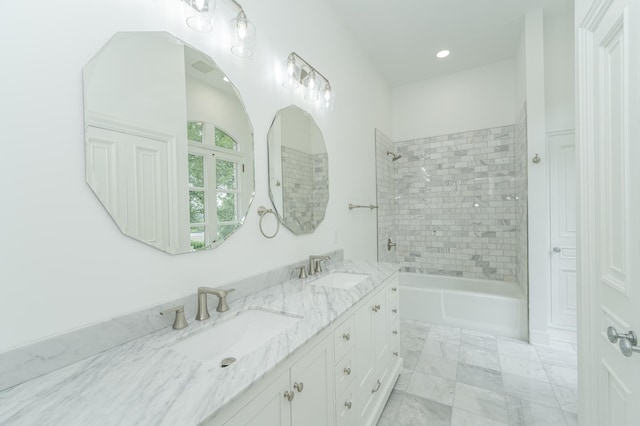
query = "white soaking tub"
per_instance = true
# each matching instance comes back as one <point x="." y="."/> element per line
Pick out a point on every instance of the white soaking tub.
<point x="494" y="307"/>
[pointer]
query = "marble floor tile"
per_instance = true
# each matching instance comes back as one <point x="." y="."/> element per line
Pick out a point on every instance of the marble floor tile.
<point x="481" y="357"/>
<point x="553" y="356"/>
<point x="529" y="368"/>
<point x="409" y="342"/>
<point x="572" y="419"/>
<point x="480" y="401"/>
<point x="480" y="377"/>
<point x="527" y="413"/>
<point x="403" y="380"/>
<point x="562" y="376"/>
<point x="465" y="418"/>
<point x="391" y="409"/>
<point x="480" y="340"/>
<point x="517" y="349"/>
<point x="441" y="349"/>
<point x="417" y="328"/>
<point x="417" y="411"/>
<point x="437" y="366"/>
<point x="432" y="387"/>
<point x="529" y="390"/>
<point x="442" y="333"/>
<point x="410" y="359"/>
<point x="567" y="397"/>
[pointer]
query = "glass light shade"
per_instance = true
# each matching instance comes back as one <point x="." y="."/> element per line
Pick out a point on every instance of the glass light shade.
<point x="311" y="85"/>
<point x="199" y="14"/>
<point x="244" y="35"/>
<point x="327" y="98"/>
<point x="291" y="73"/>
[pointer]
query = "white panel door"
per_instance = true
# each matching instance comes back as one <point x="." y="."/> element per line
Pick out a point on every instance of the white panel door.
<point x="609" y="87"/>
<point x="562" y="180"/>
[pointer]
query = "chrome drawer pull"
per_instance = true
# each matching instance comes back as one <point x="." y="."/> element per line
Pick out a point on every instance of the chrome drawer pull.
<point x="377" y="388"/>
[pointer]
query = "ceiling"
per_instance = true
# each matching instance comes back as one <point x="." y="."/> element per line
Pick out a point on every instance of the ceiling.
<point x="401" y="37"/>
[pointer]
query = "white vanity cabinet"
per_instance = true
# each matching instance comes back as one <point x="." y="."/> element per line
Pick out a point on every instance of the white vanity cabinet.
<point x="302" y="395"/>
<point x="377" y="359"/>
<point x="345" y="380"/>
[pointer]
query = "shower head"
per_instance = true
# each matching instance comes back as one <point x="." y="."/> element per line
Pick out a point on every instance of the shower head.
<point x="395" y="156"/>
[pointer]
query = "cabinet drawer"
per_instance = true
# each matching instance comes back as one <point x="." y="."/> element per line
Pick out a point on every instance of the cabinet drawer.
<point x="345" y="408"/>
<point x="343" y="337"/>
<point x="344" y="372"/>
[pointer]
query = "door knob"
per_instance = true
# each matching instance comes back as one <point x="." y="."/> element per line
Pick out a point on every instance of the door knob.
<point x="557" y="249"/>
<point x="627" y="341"/>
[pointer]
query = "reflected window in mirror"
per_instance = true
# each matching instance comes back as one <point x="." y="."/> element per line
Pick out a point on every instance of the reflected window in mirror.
<point x="214" y="167"/>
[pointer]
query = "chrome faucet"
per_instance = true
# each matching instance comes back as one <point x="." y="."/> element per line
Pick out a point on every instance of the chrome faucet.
<point x="314" y="263"/>
<point x="203" y="310"/>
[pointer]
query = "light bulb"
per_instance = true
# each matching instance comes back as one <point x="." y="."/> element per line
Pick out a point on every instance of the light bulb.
<point x="200" y="5"/>
<point x="326" y="94"/>
<point x="291" y="66"/>
<point x="241" y="26"/>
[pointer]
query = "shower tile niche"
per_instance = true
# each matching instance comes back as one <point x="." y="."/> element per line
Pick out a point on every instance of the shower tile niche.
<point x="455" y="203"/>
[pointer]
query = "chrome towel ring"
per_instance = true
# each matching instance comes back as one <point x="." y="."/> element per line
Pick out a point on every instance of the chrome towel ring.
<point x="262" y="212"/>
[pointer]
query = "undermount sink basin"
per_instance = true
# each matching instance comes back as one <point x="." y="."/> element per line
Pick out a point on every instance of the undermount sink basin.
<point x="342" y="280"/>
<point x="235" y="337"/>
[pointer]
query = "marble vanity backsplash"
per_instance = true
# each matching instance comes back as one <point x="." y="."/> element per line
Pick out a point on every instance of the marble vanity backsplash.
<point x="27" y="362"/>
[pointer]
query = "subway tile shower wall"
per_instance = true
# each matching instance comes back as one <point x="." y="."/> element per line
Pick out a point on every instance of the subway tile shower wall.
<point x="456" y="204"/>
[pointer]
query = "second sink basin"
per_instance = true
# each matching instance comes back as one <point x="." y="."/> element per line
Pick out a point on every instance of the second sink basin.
<point x="235" y="337"/>
<point x="342" y="280"/>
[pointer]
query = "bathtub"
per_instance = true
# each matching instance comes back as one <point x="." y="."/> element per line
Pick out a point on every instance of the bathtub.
<point x="493" y="307"/>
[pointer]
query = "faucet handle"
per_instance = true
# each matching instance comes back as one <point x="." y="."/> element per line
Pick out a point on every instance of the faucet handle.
<point x="303" y="271"/>
<point x="223" y="306"/>
<point x="180" y="321"/>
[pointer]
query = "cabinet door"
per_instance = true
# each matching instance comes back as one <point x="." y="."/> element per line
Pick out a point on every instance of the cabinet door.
<point x="312" y="381"/>
<point x="381" y="330"/>
<point x="270" y="407"/>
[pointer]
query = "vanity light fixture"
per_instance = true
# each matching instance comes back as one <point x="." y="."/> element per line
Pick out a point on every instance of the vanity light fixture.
<point x="200" y="18"/>
<point x="443" y="54"/>
<point x="199" y="14"/>
<point x="316" y="86"/>
<point x="244" y="33"/>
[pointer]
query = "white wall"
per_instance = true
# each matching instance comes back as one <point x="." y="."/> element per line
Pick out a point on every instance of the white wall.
<point x="473" y="99"/>
<point x="559" y="71"/>
<point x="64" y="264"/>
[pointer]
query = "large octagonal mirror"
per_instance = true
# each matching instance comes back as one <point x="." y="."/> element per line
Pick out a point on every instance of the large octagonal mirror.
<point x="169" y="145"/>
<point x="298" y="170"/>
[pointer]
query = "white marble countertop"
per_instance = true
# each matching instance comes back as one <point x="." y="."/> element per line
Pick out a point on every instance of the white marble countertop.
<point x="144" y="382"/>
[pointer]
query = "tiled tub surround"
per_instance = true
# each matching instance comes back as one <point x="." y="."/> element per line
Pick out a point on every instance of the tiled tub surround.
<point x="27" y="362"/>
<point x="456" y="204"/>
<point x="386" y="198"/>
<point x="145" y="382"/>
<point x="305" y="185"/>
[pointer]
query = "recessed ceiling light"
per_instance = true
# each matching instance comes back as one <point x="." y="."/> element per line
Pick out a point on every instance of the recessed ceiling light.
<point x="442" y="54"/>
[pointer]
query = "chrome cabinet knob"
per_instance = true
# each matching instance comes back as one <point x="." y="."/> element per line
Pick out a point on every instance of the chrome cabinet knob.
<point x="347" y="404"/>
<point x="289" y="395"/>
<point x="396" y="354"/>
<point x="394" y="288"/>
<point x="375" y="308"/>
<point x="346" y="336"/>
<point x="395" y="311"/>
<point x="395" y="332"/>
<point x="557" y="249"/>
<point x="627" y="342"/>
<point x="298" y="386"/>
<point x="347" y="371"/>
